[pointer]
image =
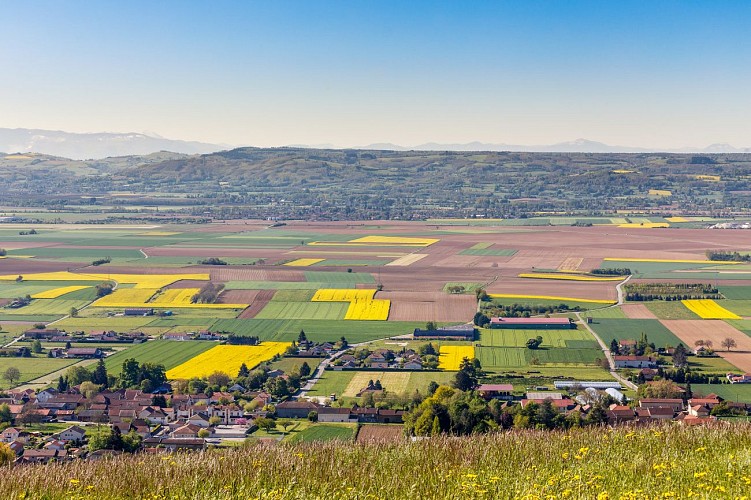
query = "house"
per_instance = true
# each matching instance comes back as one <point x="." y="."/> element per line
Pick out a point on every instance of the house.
<point x="635" y="362"/>
<point x="532" y="323"/>
<point x="376" y="361"/>
<point x="54" y="444"/>
<point x="618" y="414"/>
<point x="14" y="434"/>
<point x="72" y="433"/>
<point x="42" y="456"/>
<point x="41" y="333"/>
<point x="179" y="337"/>
<point x="698" y="411"/>
<point x="496" y="391"/>
<point x="46" y="395"/>
<point x="413" y="364"/>
<point x="674" y="404"/>
<point x="739" y="379"/>
<point x="84" y="352"/>
<point x="187" y="431"/>
<point x="153" y="415"/>
<point x="626" y="344"/>
<point x="296" y="409"/>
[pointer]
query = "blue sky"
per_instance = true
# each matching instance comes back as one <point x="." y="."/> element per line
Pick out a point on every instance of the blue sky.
<point x="652" y="73"/>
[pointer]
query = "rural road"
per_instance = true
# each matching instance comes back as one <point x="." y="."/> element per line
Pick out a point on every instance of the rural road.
<point x="605" y="348"/>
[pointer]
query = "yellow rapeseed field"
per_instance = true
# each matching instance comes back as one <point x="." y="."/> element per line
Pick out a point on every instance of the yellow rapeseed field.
<point x="58" y="292"/>
<point x="450" y="356"/>
<point x="362" y="305"/>
<point x="713" y="178"/>
<point x="371" y="310"/>
<point x="153" y="281"/>
<point x="570" y="277"/>
<point x="365" y="241"/>
<point x="176" y="297"/>
<point x="677" y="219"/>
<point x="621" y="171"/>
<point x="126" y="297"/>
<point x="660" y="192"/>
<point x="227" y="359"/>
<point x="547" y="297"/>
<point x="342" y="295"/>
<point x="709" y="309"/>
<point x="304" y="262"/>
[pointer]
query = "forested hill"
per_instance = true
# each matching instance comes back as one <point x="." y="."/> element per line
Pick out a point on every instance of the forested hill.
<point x="460" y="183"/>
<point x="365" y="184"/>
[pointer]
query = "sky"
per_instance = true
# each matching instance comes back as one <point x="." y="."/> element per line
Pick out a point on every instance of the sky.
<point x="666" y="74"/>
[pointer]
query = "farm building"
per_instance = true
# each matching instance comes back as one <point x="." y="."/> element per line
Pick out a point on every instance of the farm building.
<point x="496" y="391"/>
<point x="461" y="332"/>
<point x="532" y="323"/>
<point x="41" y="333"/>
<point x="84" y="352"/>
<point x="140" y="311"/>
<point x="635" y="362"/>
<point x="584" y="384"/>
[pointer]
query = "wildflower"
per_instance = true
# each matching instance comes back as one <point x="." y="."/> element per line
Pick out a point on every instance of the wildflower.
<point x="74" y="482"/>
<point x="603" y="495"/>
<point x="565" y="455"/>
<point x="701" y="449"/>
<point x="698" y="475"/>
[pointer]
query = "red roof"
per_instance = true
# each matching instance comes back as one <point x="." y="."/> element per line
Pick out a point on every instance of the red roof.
<point x="496" y="387"/>
<point x="531" y="321"/>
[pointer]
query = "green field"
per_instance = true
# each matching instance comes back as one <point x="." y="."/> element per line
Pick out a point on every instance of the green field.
<point x="32" y="368"/>
<point x="736" y="292"/>
<point x="119" y="323"/>
<point x="737" y="306"/>
<point x="711" y="365"/>
<point x="293" y="295"/>
<point x="606" y="312"/>
<point x="317" y="330"/>
<point x="469" y="286"/>
<point x="620" y="329"/>
<point x="325" y="432"/>
<point x="339" y="277"/>
<point x="47" y="307"/>
<point x="670" y="310"/>
<point x="289" y="365"/>
<point x="304" y="310"/>
<point x="743" y="325"/>
<point x="732" y="392"/>
<point x="550" y="338"/>
<point x="164" y="352"/>
<point x="500" y="358"/>
<point x="78" y="254"/>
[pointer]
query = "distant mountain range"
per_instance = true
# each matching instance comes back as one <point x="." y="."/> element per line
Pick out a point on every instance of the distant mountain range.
<point x="102" y="145"/>
<point x="99" y="145"/>
<point x="577" y="146"/>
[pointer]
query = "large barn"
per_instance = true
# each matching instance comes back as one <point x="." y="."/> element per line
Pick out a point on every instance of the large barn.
<point x="532" y="323"/>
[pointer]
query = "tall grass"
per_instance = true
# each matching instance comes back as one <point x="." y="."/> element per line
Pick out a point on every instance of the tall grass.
<point x="592" y="463"/>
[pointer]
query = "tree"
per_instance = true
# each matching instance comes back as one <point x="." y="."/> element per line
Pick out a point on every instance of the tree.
<point x="204" y="433"/>
<point x="243" y="372"/>
<point x="534" y="343"/>
<point x="89" y="389"/>
<point x="680" y="356"/>
<point x="19" y="278"/>
<point x="284" y="423"/>
<point x="215" y="420"/>
<point x="302" y="337"/>
<point x="266" y="424"/>
<point x="77" y="374"/>
<point x="343" y="342"/>
<point x="430" y="325"/>
<point x="728" y="343"/>
<point x="73" y="312"/>
<point x="615" y="348"/>
<point x="304" y="369"/>
<point x="7" y="456"/>
<point x="36" y="347"/>
<point x="12" y="374"/>
<point x="432" y="387"/>
<point x="99" y="376"/>
<point x="130" y="373"/>
<point x="5" y="415"/>
<point x="466" y="377"/>
<point x="481" y="319"/>
<point x="62" y="384"/>
<point x="218" y="378"/>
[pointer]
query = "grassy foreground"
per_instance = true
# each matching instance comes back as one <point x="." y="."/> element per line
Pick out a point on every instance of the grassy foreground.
<point x="658" y="462"/>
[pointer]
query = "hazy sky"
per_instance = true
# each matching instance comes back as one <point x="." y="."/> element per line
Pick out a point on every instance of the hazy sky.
<point x="650" y="73"/>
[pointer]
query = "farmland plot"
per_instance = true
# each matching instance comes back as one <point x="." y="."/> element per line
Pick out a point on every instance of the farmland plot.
<point x="227" y="359"/>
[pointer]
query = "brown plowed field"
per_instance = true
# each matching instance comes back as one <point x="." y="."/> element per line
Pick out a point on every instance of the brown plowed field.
<point x="690" y="330"/>
<point x="430" y="306"/>
<point x="238" y="296"/>
<point x="29" y="266"/>
<point x="203" y="252"/>
<point x="261" y="300"/>
<point x="637" y="311"/>
<point x="376" y="433"/>
<point x="558" y="288"/>
<point x="256" y="273"/>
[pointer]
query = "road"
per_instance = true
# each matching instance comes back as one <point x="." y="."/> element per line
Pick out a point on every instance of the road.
<point x="605" y="348"/>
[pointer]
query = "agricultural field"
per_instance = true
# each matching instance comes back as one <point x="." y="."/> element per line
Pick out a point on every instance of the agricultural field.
<point x="451" y="356"/>
<point x="32" y="368"/>
<point x="621" y="329"/>
<point x="352" y="381"/>
<point x="165" y="352"/>
<point x="227" y="359"/>
<point x="732" y="392"/>
<point x="541" y="260"/>
<point x="709" y="309"/>
<point x="325" y="432"/>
